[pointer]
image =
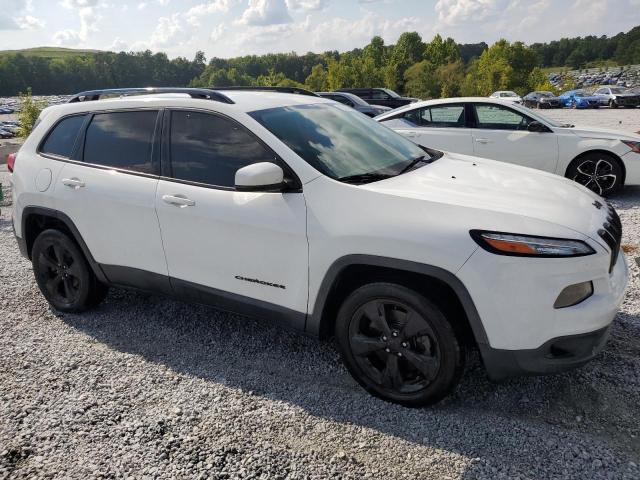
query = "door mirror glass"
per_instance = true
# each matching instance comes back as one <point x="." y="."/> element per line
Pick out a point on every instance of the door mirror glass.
<point x="260" y="177"/>
<point x="536" y="127"/>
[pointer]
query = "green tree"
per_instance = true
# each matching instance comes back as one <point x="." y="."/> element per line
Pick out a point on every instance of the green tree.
<point x="30" y="110"/>
<point x="317" y="81"/>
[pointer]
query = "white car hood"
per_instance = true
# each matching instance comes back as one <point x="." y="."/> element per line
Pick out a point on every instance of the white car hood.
<point x="602" y="133"/>
<point x="500" y="187"/>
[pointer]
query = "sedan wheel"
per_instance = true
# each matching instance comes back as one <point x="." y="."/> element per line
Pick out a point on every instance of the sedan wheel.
<point x="598" y="172"/>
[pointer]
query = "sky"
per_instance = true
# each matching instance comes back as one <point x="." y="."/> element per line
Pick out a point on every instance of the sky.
<point x="229" y="28"/>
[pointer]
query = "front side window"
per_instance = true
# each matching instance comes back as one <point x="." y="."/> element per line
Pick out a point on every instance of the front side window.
<point x="339" y="142"/>
<point x="498" y="117"/>
<point x="209" y="149"/>
<point x="121" y="140"/>
<point x="62" y="138"/>
<point x="343" y="100"/>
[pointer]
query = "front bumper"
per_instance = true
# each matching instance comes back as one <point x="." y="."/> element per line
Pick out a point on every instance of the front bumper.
<point x="556" y="355"/>
<point x="525" y="334"/>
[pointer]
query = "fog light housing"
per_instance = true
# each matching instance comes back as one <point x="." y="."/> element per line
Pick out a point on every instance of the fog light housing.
<point x="574" y="294"/>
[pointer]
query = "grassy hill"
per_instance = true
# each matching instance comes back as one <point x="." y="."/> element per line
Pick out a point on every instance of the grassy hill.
<point x="49" y="52"/>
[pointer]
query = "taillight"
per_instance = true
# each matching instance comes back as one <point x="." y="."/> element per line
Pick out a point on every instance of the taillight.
<point x="11" y="160"/>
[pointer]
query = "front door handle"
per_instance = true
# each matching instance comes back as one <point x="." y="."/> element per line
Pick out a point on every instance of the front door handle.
<point x="178" y="200"/>
<point x="483" y="140"/>
<point x="74" y="183"/>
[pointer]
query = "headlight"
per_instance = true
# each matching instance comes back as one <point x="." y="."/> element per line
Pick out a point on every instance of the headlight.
<point x="530" y="246"/>
<point x="635" y="146"/>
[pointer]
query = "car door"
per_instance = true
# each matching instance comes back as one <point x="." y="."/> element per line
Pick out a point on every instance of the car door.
<point x="108" y="190"/>
<point x="442" y="127"/>
<point x="233" y="249"/>
<point x="501" y="133"/>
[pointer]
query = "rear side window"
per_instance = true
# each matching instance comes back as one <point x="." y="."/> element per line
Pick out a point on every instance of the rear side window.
<point x="62" y="138"/>
<point x="121" y="140"/>
<point x="209" y="149"/>
<point x="438" y="116"/>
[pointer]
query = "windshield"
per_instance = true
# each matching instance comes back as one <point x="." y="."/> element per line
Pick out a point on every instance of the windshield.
<point x="546" y="94"/>
<point x="580" y="94"/>
<point x="338" y="141"/>
<point x="617" y="90"/>
<point x="508" y="94"/>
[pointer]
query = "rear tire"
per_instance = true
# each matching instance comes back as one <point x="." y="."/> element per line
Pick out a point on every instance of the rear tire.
<point x="63" y="273"/>
<point x="398" y="345"/>
<point x="599" y="172"/>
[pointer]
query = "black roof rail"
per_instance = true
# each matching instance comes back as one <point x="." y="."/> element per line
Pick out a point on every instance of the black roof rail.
<point x="296" y="90"/>
<point x="203" y="93"/>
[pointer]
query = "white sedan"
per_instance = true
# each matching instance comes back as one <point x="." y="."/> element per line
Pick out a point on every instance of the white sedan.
<point x="601" y="159"/>
<point x="507" y="96"/>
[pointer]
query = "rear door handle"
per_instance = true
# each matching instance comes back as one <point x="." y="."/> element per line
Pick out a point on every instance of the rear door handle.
<point x="74" y="183"/>
<point x="483" y="140"/>
<point x="178" y="200"/>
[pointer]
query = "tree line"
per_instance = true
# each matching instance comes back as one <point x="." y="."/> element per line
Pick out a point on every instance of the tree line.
<point x="412" y="66"/>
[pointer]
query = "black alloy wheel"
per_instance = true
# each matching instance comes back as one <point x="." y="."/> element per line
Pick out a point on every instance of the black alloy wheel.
<point x="63" y="274"/>
<point x="398" y="345"/>
<point x="597" y="171"/>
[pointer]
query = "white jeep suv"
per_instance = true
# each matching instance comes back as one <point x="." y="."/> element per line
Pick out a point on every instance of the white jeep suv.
<point x="296" y="208"/>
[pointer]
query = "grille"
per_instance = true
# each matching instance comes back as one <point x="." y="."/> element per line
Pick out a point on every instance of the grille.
<point x="611" y="233"/>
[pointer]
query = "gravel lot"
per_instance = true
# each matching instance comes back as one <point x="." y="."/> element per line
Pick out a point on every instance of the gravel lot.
<point x="147" y="387"/>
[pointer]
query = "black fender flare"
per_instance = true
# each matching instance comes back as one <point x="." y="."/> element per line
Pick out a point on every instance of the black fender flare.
<point x="77" y="237"/>
<point x="314" y="318"/>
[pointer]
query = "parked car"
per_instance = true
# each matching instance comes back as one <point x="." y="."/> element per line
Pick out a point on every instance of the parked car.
<point x="602" y="160"/>
<point x="6" y="133"/>
<point x="380" y="96"/>
<point x="579" y="99"/>
<point x="615" y="97"/>
<point x="355" y="102"/>
<point x="541" y="100"/>
<point x="6" y="110"/>
<point x="302" y="210"/>
<point x="507" y="96"/>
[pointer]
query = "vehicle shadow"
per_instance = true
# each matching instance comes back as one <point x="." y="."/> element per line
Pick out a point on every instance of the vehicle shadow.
<point x="477" y="422"/>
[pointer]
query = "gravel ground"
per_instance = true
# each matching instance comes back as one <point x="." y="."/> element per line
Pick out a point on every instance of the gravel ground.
<point x="147" y="387"/>
<point x="626" y="119"/>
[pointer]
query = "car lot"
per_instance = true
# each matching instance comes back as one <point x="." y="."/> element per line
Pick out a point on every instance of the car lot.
<point x="146" y="386"/>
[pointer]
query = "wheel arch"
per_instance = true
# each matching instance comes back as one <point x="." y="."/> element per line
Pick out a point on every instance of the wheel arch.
<point x="439" y="285"/>
<point x="35" y="220"/>
<point x="601" y="151"/>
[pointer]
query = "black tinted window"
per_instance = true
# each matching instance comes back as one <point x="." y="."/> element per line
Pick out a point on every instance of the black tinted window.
<point x="210" y="149"/>
<point x="121" y="140"/>
<point x="62" y="138"/>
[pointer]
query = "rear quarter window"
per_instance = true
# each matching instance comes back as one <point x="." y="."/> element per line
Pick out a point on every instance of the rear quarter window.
<point x="62" y="137"/>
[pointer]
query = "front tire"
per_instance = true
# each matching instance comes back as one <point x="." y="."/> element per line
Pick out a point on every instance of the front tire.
<point x="63" y="274"/>
<point x="599" y="172"/>
<point x="613" y="104"/>
<point x="398" y="345"/>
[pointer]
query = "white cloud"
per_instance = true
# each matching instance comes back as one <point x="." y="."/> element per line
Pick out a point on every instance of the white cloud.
<point x="164" y="3"/>
<point x="142" y="5"/>
<point x="118" y="45"/>
<point x="15" y="15"/>
<point x="169" y="31"/>
<point x="265" y="12"/>
<point x="195" y="13"/>
<point x="89" y="18"/>
<point x="454" y="12"/>
<point x="218" y="33"/>
<point x="307" y="5"/>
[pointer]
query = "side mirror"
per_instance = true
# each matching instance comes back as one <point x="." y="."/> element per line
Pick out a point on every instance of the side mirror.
<point x="260" y="177"/>
<point x="537" y="127"/>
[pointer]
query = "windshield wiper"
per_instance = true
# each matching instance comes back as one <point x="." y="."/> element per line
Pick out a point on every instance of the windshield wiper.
<point x="364" y="178"/>
<point x="413" y="163"/>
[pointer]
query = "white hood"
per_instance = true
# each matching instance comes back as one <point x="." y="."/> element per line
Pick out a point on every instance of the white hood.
<point x="499" y="187"/>
<point x="603" y="133"/>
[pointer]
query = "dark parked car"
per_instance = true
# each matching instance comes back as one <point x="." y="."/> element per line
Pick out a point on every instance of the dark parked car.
<point x="541" y="100"/>
<point x="356" y="102"/>
<point x="380" y="96"/>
